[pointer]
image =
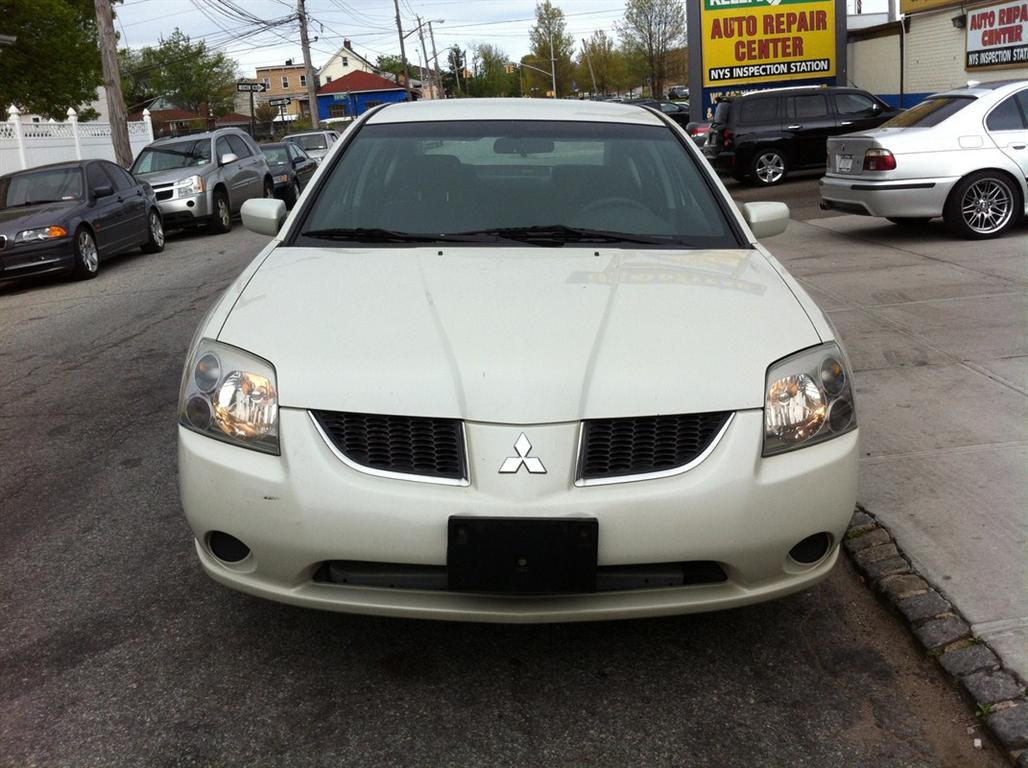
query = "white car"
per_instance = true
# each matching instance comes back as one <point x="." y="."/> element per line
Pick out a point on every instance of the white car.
<point x="962" y="155"/>
<point x="315" y="143"/>
<point x="516" y="361"/>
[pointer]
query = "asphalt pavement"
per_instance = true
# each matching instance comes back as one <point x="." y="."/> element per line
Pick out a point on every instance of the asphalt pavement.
<point x="116" y="650"/>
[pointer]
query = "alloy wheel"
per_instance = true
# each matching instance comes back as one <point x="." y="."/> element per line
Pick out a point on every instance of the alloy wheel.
<point x="770" y="168"/>
<point x="156" y="230"/>
<point x="88" y="253"/>
<point x="987" y="206"/>
<point x="223" y="212"/>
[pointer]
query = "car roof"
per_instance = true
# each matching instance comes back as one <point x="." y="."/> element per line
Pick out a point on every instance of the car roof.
<point x="55" y="166"/>
<point x="274" y="145"/>
<point x="306" y="133"/>
<point x="984" y="89"/>
<point x="201" y="136"/>
<point x="444" y="110"/>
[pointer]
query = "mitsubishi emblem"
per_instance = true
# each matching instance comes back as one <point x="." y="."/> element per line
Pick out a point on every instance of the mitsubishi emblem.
<point x="512" y="464"/>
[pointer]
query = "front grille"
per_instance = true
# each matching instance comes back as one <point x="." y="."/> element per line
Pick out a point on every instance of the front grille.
<point x="645" y="444"/>
<point x="410" y="445"/>
<point x="164" y="194"/>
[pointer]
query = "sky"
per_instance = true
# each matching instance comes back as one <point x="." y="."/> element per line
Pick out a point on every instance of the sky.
<point x="369" y="24"/>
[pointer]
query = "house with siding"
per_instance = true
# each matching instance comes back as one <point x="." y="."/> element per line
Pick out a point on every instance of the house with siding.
<point x="356" y="93"/>
<point x="343" y="62"/>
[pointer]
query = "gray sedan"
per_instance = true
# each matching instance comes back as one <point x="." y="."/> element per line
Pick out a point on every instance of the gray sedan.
<point x="961" y="155"/>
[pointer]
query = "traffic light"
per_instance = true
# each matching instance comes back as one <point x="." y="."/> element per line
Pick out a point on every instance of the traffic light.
<point x="510" y="69"/>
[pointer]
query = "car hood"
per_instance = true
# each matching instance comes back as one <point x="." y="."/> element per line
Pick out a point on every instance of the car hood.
<point x="14" y="220"/>
<point x="523" y="336"/>
<point x="174" y="174"/>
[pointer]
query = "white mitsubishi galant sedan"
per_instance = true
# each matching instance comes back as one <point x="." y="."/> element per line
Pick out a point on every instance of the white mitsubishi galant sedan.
<point x="516" y="361"/>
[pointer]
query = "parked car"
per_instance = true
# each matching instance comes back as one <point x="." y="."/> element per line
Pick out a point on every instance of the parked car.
<point x="765" y="135"/>
<point x="203" y="178"/>
<point x="699" y="132"/>
<point x="677" y="112"/>
<point x="962" y="155"/>
<point x="516" y="362"/>
<point x="314" y="143"/>
<point x="676" y="92"/>
<point x="69" y="217"/>
<point x="291" y="169"/>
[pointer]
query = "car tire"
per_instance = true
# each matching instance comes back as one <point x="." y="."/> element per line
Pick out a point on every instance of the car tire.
<point x="87" y="254"/>
<point x="269" y="189"/>
<point x="294" y="193"/>
<point x="154" y="232"/>
<point x="909" y="221"/>
<point x="769" y="167"/>
<point x="221" y="219"/>
<point x="983" y="205"/>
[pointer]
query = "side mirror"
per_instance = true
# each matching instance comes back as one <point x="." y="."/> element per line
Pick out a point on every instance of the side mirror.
<point x="263" y="215"/>
<point x="104" y="190"/>
<point x="228" y="157"/>
<point x="875" y="108"/>
<point x="766" y="219"/>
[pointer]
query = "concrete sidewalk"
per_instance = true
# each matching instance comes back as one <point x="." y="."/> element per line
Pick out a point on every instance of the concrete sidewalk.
<point x="937" y="332"/>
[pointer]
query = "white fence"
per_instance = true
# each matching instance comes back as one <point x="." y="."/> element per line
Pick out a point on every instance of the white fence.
<point x="27" y="145"/>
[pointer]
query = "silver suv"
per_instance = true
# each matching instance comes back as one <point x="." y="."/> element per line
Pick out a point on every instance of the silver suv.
<point x="204" y="178"/>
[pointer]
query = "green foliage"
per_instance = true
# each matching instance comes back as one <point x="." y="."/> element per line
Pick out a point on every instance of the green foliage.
<point x="490" y="76"/>
<point x="263" y="112"/>
<point x="549" y="25"/>
<point x="300" y="125"/>
<point x="651" y="29"/>
<point x="136" y="68"/>
<point x="456" y="59"/>
<point x="982" y="711"/>
<point x="391" y="64"/>
<point x="608" y="64"/>
<point x="186" y="73"/>
<point x="55" y="62"/>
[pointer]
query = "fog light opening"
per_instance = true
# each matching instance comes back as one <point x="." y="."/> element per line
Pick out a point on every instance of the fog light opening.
<point x="226" y="547"/>
<point x="812" y="549"/>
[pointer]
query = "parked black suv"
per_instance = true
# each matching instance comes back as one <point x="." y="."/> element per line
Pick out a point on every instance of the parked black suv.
<point x="766" y="134"/>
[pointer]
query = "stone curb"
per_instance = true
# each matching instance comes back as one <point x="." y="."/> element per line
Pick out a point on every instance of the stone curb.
<point x="943" y="633"/>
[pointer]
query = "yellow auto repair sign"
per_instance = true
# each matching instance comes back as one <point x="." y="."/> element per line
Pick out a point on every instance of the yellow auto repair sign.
<point x="759" y="41"/>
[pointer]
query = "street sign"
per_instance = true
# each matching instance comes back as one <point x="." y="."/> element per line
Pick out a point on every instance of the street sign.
<point x="251" y="87"/>
<point x="281" y="101"/>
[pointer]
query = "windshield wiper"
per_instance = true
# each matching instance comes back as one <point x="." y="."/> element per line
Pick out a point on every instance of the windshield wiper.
<point x="374" y="235"/>
<point x="559" y="234"/>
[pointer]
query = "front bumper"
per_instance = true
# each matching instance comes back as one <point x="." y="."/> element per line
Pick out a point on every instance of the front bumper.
<point x="901" y="198"/>
<point x="305" y="507"/>
<point x="30" y="259"/>
<point x="178" y="211"/>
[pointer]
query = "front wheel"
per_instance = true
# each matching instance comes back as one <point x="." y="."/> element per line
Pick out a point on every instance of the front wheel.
<point x="155" y="233"/>
<point x="87" y="255"/>
<point x="221" y="221"/>
<point x="983" y="205"/>
<point x="294" y="193"/>
<point x="269" y="188"/>
<point x="769" y="167"/>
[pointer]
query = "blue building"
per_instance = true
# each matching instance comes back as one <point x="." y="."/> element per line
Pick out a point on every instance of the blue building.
<point x="356" y="93"/>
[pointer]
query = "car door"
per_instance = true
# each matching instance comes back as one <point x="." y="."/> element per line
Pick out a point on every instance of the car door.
<point x="808" y="124"/>
<point x="249" y="165"/>
<point x="856" y="112"/>
<point x="1007" y="124"/>
<point x="129" y="193"/>
<point x="106" y="213"/>
<point x="233" y="173"/>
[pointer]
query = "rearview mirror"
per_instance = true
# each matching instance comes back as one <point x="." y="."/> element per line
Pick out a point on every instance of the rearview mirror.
<point x="104" y="190"/>
<point x="228" y="157"/>
<point x="263" y="215"/>
<point x="524" y="145"/>
<point x="766" y="219"/>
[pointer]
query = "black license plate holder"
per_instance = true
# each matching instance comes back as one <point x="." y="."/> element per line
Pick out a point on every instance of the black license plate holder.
<point x="519" y="555"/>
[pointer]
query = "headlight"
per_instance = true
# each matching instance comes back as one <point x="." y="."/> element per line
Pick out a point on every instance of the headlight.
<point x="40" y="233"/>
<point x="282" y="179"/>
<point x="808" y="399"/>
<point x="192" y="185"/>
<point x="230" y="395"/>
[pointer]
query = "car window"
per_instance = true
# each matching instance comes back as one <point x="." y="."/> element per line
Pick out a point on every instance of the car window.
<point x="758" y="110"/>
<point x="806" y="107"/>
<point x="41" y="187"/>
<point x="667" y="106"/>
<point x="222" y="148"/>
<point x="853" y="104"/>
<point x="276" y="154"/>
<point x="178" y="154"/>
<point x="239" y="146"/>
<point x="96" y="177"/>
<point x="722" y="112"/>
<point x="929" y="112"/>
<point x="310" y="140"/>
<point x="469" y="176"/>
<point x="1006" y="117"/>
<point x="119" y="179"/>
<point x="1022" y="100"/>
<point x="297" y="153"/>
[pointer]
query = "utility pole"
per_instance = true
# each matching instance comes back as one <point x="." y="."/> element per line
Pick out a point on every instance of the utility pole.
<point x="112" y="82"/>
<point x="435" y="61"/>
<point x="553" y="63"/>
<point x="403" y="52"/>
<point x="312" y="86"/>
<point x="589" y="61"/>
<point x="424" y="53"/>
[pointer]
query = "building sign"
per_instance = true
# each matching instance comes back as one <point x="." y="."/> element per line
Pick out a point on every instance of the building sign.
<point x="759" y="41"/>
<point x="997" y="36"/>
<point x="916" y="6"/>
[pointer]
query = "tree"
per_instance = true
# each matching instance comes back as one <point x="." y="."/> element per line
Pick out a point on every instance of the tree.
<point x="607" y="64"/>
<point x="136" y="86"/>
<point x="457" y="61"/>
<point x="550" y="26"/>
<point x="55" y="63"/>
<point x="652" y="28"/>
<point x="491" y="76"/>
<point x="391" y="64"/>
<point x="190" y="76"/>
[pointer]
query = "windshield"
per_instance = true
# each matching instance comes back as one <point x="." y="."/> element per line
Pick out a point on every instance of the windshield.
<point x="41" y="187"/>
<point x="166" y="157"/>
<point x="439" y="179"/>
<point x="276" y="155"/>
<point x="310" y="141"/>
<point x="721" y="112"/>
<point x="928" y="113"/>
